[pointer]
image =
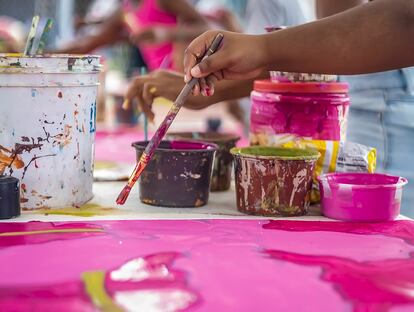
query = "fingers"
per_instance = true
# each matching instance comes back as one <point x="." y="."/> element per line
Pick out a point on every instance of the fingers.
<point x="134" y="88"/>
<point x="195" y="52"/>
<point x="203" y="86"/>
<point x="211" y="80"/>
<point x="138" y="89"/>
<point x="214" y="63"/>
<point x="148" y="95"/>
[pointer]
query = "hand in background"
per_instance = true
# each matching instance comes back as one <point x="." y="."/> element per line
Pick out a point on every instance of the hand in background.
<point x="160" y="83"/>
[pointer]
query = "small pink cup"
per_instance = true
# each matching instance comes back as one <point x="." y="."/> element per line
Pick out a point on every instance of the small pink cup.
<point x="361" y="197"/>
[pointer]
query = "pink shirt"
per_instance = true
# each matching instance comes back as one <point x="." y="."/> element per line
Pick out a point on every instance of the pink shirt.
<point x="147" y="14"/>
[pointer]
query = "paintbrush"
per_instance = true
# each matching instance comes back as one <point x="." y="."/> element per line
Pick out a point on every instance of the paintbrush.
<point x="31" y="36"/>
<point x="44" y="37"/>
<point x="144" y="72"/>
<point x="162" y="129"/>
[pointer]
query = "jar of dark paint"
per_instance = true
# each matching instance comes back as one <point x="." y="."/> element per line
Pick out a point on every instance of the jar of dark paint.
<point x="9" y="197"/>
<point x="178" y="175"/>
<point x="223" y="162"/>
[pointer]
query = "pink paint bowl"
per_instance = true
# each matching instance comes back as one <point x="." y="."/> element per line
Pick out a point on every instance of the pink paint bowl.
<point x="361" y="197"/>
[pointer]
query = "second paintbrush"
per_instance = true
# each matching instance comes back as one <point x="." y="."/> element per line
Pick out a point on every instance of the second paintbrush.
<point x="162" y="129"/>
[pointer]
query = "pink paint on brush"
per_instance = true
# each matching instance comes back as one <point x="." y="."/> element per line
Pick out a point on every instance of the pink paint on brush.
<point x="209" y="265"/>
<point x="361" y="196"/>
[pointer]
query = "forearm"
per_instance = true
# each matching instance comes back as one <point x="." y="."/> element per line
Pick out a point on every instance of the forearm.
<point x="326" y="8"/>
<point x="361" y="40"/>
<point x="187" y="33"/>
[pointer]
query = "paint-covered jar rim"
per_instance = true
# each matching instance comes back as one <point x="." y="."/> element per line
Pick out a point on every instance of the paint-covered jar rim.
<point x="362" y="180"/>
<point x="49" y="63"/>
<point x="300" y="87"/>
<point x="211" y="137"/>
<point x="280" y="153"/>
<point x="180" y="146"/>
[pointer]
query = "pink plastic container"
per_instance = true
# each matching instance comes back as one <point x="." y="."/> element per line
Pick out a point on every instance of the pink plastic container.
<point x="314" y="111"/>
<point x="361" y="197"/>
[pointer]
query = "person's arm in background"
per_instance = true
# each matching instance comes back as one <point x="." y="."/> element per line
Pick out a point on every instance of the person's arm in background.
<point x="190" y="24"/>
<point x="373" y="37"/>
<point x="168" y="84"/>
<point x="109" y="32"/>
<point x="326" y="8"/>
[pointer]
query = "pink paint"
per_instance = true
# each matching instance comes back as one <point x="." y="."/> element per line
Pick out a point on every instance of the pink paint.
<point x="211" y="265"/>
<point x="109" y="143"/>
<point x="315" y="111"/>
<point x="361" y="196"/>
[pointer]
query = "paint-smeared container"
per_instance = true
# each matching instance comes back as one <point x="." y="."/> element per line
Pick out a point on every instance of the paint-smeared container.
<point x="223" y="161"/>
<point x="9" y="197"/>
<point x="361" y="197"/>
<point x="178" y="175"/>
<point x="274" y="181"/>
<point x="283" y="112"/>
<point x="47" y="126"/>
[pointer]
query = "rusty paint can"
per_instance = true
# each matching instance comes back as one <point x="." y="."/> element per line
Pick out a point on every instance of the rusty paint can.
<point x="178" y="175"/>
<point x="274" y="181"/>
<point x="223" y="162"/>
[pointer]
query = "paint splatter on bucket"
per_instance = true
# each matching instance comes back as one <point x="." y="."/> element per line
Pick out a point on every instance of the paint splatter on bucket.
<point x="47" y="126"/>
<point x="223" y="161"/>
<point x="274" y="181"/>
<point x="178" y="175"/>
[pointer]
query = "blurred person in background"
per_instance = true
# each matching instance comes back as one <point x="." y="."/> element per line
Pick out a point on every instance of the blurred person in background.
<point x="153" y="25"/>
<point x="381" y="112"/>
<point x="12" y="35"/>
<point x="257" y="15"/>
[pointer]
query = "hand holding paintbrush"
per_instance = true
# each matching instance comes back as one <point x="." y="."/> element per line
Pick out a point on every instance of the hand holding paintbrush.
<point x="162" y="129"/>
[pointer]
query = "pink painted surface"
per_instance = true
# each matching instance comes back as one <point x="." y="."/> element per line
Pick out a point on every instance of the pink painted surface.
<point x="115" y="145"/>
<point x="361" y="197"/>
<point x="209" y="265"/>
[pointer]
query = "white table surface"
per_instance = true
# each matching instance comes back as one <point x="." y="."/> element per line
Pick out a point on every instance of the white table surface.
<point x="221" y="205"/>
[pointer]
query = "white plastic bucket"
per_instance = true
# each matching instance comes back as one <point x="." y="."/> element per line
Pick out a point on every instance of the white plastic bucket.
<point x="47" y="127"/>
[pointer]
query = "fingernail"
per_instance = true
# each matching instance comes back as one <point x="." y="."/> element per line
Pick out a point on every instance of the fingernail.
<point x="195" y="71"/>
<point x="186" y="78"/>
<point x="125" y="105"/>
<point x="208" y="91"/>
<point x="204" y="92"/>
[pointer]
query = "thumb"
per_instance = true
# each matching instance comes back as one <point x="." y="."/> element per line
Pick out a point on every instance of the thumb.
<point x="214" y="63"/>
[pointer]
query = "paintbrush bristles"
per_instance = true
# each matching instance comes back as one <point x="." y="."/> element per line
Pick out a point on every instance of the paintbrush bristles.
<point x="122" y="197"/>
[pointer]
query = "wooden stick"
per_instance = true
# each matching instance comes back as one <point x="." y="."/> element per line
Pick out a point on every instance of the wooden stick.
<point x="31" y="36"/>
<point x="44" y="37"/>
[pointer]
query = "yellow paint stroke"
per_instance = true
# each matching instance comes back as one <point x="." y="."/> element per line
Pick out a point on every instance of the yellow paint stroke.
<point x="99" y="165"/>
<point x="94" y="283"/>
<point x="74" y="230"/>
<point x="88" y="210"/>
